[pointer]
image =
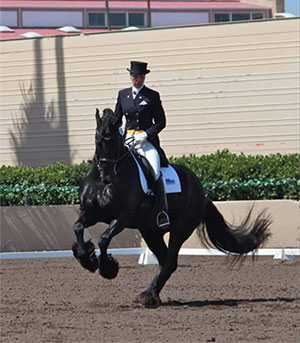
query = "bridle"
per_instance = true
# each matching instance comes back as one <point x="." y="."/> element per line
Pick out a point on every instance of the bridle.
<point x="113" y="161"/>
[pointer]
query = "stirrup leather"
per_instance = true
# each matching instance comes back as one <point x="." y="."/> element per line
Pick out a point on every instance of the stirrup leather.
<point x="162" y="219"/>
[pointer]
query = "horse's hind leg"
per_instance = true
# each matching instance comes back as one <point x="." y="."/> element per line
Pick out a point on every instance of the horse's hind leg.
<point x="150" y="298"/>
<point x="83" y="251"/>
<point x="155" y="242"/>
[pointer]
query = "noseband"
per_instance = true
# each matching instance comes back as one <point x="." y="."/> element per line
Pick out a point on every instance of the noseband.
<point x="101" y="161"/>
<point x="109" y="138"/>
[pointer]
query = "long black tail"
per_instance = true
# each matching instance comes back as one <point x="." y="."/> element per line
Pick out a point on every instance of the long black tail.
<point x="238" y="240"/>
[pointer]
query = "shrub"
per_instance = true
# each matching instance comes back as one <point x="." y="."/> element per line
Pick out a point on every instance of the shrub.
<point x="226" y="166"/>
<point x="225" y="176"/>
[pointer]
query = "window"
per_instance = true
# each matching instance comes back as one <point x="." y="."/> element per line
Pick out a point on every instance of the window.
<point x="240" y="16"/>
<point x="96" y="19"/>
<point x="256" y="16"/>
<point x="127" y="19"/>
<point x="118" y="19"/>
<point x="136" y="19"/>
<point x="219" y="17"/>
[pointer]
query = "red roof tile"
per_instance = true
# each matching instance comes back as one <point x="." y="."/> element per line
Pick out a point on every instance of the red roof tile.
<point x="129" y="4"/>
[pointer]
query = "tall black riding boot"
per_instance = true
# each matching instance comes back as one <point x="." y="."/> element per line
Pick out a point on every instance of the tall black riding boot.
<point x="162" y="218"/>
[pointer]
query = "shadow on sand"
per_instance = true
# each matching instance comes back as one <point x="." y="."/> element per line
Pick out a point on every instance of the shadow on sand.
<point x="228" y="302"/>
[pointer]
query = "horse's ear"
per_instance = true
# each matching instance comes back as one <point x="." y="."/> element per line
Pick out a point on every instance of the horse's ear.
<point x="98" y="119"/>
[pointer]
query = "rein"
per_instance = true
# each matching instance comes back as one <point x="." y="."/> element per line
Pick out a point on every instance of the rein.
<point x="114" y="162"/>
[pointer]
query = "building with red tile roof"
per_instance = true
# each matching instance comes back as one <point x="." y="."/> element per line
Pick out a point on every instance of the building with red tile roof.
<point x="45" y="17"/>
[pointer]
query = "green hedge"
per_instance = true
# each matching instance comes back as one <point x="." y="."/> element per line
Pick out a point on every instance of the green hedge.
<point x="225" y="176"/>
<point x="56" y="174"/>
<point x="24" y="195"/>
<point x="226" y="166"/>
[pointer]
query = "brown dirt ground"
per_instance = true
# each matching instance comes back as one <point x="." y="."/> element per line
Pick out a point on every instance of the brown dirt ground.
<point x="56" y="300"/>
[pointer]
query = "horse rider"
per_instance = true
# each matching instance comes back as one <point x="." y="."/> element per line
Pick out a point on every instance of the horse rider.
<point x="145" y="118"/>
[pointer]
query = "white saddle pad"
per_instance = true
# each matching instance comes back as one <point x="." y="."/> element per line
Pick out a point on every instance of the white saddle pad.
<point x="170" y="177"/>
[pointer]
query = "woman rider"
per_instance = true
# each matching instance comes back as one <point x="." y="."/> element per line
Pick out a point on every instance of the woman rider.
<point x="145" y="118"/>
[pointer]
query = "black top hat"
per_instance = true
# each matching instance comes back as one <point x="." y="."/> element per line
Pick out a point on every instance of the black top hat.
<point x="138" y="68"/>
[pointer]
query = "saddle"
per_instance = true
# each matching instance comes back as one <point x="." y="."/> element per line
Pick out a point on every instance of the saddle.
<point x="146" y="174"/>
<point x="146" y="168"/>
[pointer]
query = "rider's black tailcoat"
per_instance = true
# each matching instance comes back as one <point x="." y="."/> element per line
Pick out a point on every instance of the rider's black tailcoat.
<point x="145" y="112"/>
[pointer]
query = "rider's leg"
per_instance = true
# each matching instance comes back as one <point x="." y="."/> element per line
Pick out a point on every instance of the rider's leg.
<point x="149" y="151"/>
<point x="161" y="199"/>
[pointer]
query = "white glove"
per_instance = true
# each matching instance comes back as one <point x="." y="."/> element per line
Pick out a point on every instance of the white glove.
<point x="141" y="137"/>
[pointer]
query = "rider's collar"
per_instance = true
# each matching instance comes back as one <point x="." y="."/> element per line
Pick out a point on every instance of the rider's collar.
<point x="136" y="90"/>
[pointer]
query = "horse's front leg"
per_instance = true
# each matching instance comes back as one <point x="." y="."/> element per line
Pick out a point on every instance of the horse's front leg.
<point x="83" y="251"/>
<point x="108" y="266"/>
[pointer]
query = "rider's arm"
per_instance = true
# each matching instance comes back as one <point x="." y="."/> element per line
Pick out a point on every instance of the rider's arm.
<point x="119" y="110"/>
<point x="158" y="114"/>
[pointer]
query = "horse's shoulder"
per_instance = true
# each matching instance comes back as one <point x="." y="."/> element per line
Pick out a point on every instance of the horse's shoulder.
<point x="90" y="174"/>
<point x="90" y="180"/>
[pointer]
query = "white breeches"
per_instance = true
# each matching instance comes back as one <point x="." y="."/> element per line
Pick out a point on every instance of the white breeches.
<point x="147" y="150"/>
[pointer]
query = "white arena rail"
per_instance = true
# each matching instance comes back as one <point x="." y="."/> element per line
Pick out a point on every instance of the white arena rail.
<point x="147" y="257"/>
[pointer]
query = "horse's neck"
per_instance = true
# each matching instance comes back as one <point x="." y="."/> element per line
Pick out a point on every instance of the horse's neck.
<point x="123" y="150"/>
<point x="126" y="169"/>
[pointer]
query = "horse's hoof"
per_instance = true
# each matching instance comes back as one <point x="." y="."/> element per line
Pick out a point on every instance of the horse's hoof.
<point x="108" y="266"/>
<point x="87" y="258"/>
<point x="149" y="300"/>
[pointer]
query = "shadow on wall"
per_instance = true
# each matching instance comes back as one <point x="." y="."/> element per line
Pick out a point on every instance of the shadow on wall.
<point x="38" y="228"/>
<point x="40" y="136"/>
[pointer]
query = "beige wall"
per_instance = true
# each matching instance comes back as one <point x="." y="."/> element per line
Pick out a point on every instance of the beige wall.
<point x="285" y="216"/>
<point x="50" y="227"/>
<point x="38" y="228"/>
<point x="232" y="86"/>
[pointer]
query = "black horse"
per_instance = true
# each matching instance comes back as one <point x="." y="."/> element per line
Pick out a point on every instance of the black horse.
<point x="111" y="193"/>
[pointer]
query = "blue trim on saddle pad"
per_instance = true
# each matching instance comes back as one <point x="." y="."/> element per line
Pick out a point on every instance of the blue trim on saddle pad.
<point x="170" y="177"/>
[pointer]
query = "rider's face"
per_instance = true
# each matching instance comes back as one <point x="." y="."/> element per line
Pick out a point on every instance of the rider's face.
<point x="137" y="80"/>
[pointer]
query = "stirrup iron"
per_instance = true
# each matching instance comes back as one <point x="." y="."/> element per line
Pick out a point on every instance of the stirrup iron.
<point x="166" y="221"/>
